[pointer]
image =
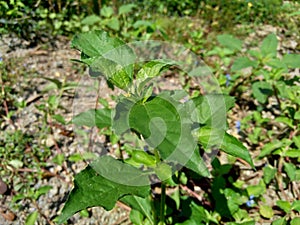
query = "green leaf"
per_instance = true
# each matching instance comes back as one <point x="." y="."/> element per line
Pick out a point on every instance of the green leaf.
<point x="196" y="214"/>
<point x="59" y="159"/>
<point x="234" y="147"/>
<point x="266" y="211"/>
<point x="197" y="164"/>
<point x="16" y="163"/>
<point x="127" y="8"/>
<point x="142" y="157"/>
<point x="261" y="91"/>
<point x="292" y="60"/>
<point x="285" y="120"/>
<point x="294" y="13"/>
<point x="115" y="73"/>
<point x="150" y="70"/>
<point x="94" y="117"/>
<point x="95" y="43"/>
<point x="269" y="173"/>
<point x="284" y="205"/>
<point x="281" y="221"/>
<point x="296" y="205"/>
<point x="84" y="213"/>
<point x="119" y="172"/>
<point x="142" y="23"/>
<point x="32" y="218"/>
<point x="164" y="126"/>
<point x="91" y="20"/>
<point x="242" y="63"/>
<point x="59" y="118"/>
<point x="163" y="171"/>
<point x="107" y="11"/>
<point x="269" y="46"/>
<point x="256" y="190"/>
<point x="136" y="217"/>
<point x="41" y="191"/>
<point x="229" y="144"/>
<point x="143" y="205"/>
<point x="295" y="221"/>
<point x="153" y="68"/>
<point x="290" y="169"/>
<point x="233" y="200"/>
<point x="210" y="137"/>
<point x="114" y="24"/>
<point x="230" y="42"/>
<point x="210" y="109"/>
<point x="277" y="64"/>
<point x="108" y="56"/>
<point x="269" y="148"/>
<point x="102" y="184"/>
<point x="75" y="157"/>
<point x="296" y="140"/>
<point x="293" y="153"/>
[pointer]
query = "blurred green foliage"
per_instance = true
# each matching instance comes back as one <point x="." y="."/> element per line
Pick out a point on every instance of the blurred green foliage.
<point x="35" y="21"/>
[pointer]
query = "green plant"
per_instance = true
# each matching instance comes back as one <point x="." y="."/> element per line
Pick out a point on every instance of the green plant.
<point x="272" y="125"/>
<point x="165" y="123"/>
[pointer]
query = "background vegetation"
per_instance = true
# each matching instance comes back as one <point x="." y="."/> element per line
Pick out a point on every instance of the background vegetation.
<point x="230" y="36"/>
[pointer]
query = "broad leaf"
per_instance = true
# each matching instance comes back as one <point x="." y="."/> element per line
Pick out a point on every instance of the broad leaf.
<point x="266" y="211"/>
<point x="295" y="221"/>
<point x="234" y="147"/>
<point x="261" y="91"/>
<point x="195" y="214"/>
<point x="197" y="164"/>
<point x="143" y="205"/>
<point x="97" y="189"/>
<point x="127" y="8"/>
<point x="119" y="172"/>
<point x="209" y="137"/>
<point x="270" y="147"/>
<point x="296" y="205"/>
<point x="95" y="43"/>
<point x="242" y="63"/>
<point x="284" y="205"/>
<point x="107" y="11"/>
<point x="210" y="109"/>
<point x="281" y="221"/>
<point x="230" y="42"/>
<point x="164" y="126"/>
<point x="94" y="117"/>
<point x="292" y="60"/>
<point x="113" y="72"/>
<point x="114" y="23"/>
<point x="291" y="171"/>
<point x="269" y="173"/>
<point x="150" y="70"/>
<point x="91" y="20"/>
<point x="269" y="46"/>
<point x="136" y="217"/>
<point x="32" y="218"/>
<point x="153" y="68"/>
<point x="108" y="56"/>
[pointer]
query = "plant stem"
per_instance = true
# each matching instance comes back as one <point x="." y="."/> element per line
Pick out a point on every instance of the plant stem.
<point x="162" y="204"/>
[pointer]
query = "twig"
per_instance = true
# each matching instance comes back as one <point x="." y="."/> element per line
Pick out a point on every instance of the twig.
<point x="190" y="192"/>
<point x="123" y="206"/>
<point x="279" y="178"/>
